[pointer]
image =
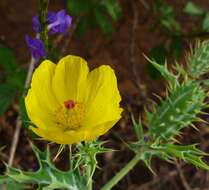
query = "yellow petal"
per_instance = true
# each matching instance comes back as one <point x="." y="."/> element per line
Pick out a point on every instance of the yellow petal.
<point x="71" y="137"/>
<point x="40" y="101"/>
<point x="60" y="136"/>
<point x="47" y="134"/>
<point x="102" y="97"/>
<point x="37" y="115"/>
<point x="69" y="80"/>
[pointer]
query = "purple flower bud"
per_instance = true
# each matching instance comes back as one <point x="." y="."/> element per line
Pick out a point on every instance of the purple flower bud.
<point x="57" y="22"/>
<point x="146" y="138"/>
<point x="36" y="47"/>
<point x="62" y="23"/>
<point x="51" y="17"/>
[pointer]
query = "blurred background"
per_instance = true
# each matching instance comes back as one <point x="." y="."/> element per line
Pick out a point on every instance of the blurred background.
<point x="118" y="33"/>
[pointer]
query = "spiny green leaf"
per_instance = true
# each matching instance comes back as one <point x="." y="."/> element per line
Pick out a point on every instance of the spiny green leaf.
<point x="189" y="153"/>
<point x="198" y="61"/>
<point x="48" y="175"/>
<point x="158" y="54"/>
<point x="87" y="153"/>
<point x="196" y="161"/>
<point x="170" y="77"/>
<point x="177" y="111"/>
<point x="147" y="156"/>
<point x="138" y="128"/>
<point x="10" y="184"/>
<point x="193" y="9"/>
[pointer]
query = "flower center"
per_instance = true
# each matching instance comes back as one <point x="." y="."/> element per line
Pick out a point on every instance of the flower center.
<point x="70" y="115"/>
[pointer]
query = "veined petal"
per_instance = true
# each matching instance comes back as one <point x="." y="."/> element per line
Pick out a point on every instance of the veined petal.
<point x="36" y="114"/>
<point x="71" y="137"/>
<point x="40" y="99"/>
<point x="69" y="81"/>
<point x="49" y="134"/>
<point x="102" y="97"/>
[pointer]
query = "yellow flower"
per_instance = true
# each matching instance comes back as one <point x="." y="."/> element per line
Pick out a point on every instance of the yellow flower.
<point x="69" y="104"/>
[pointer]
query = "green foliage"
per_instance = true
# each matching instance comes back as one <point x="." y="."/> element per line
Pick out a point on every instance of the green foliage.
<point x="113" y="8"/>
<point x="10" y="184"/>
<point x="163" y="70"/>
<point x="7" y="59"/>
<point x="189" y="153"/>
<point x="7" y="95"/>
<point x="176" y="47"/>
<point x="138" y="128"/>
<point x="103" y="21"/>
<point x="177" y="111"/>
<point x="160" y="53"/>
<point x="86" y="156"/>
<point x="17" y="79"/>
<point x="193" y="9"/>
<point x="13" y="80"/>
<point x="95" y="13"/>
<point x="79" y="7"/>
<point x="169" y="152"/>
<point x="167" y="16"/>
<point x="172" y="48"/>
<point x="48" y="176"/>
<point x="205" y="23"/>
<point x="198" y="61"/>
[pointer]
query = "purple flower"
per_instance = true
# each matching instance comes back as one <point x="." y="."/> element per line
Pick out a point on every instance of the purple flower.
<point x="36" y="47"/>
<point x="57" y="22"/>
<point x="62" y="23"/>
<point x="51" y="17"/>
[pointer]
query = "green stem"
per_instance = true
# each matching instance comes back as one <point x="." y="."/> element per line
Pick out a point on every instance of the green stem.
<point x="43" y="11"/>
<point x="122" y="173"/>
<point x="89" y="178"/>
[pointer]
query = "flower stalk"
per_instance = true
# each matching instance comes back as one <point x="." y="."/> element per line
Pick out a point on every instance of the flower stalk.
<point x="125" y="170"/>
<point x="43" y="11"/>
<point x="89" y="178"/>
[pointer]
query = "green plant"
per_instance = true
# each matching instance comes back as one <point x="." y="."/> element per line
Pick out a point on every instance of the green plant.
<point x="194" y="10"/>
<point x="158" y="136"/>
<point x="172" y="46"/>
<point x="12" y="80"/>
<point x="95" y="13"/>
<point x="181" y="107"/>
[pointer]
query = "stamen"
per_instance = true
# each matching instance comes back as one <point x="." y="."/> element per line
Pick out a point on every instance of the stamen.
<point x="70" y="115"/>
